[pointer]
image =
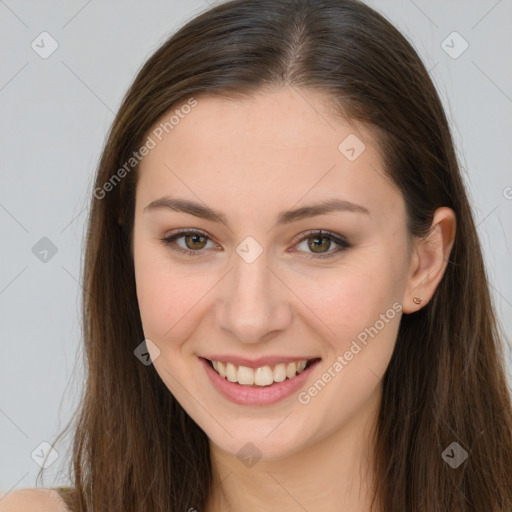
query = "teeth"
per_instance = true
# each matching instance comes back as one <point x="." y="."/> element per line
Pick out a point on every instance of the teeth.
<point x="280" y="372"/>
<point x="220" y="368"/>
<point x="263" y="376"/>
<point x="231" y="373"/>
<point x="246" y="376"/>
<point x="291" y="370"/>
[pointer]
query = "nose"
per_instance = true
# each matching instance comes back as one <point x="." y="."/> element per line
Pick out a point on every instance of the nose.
<point x="255" y="302"/>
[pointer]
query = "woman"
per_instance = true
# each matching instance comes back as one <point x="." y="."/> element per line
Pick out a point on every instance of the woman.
<point x="285" y="302"/>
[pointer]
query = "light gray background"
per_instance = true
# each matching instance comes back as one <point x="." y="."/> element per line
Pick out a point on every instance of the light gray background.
<point x="55" y="114"/>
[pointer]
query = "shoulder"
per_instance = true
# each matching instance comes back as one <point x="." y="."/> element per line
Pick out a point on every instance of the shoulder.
<point x="32" y="500"/>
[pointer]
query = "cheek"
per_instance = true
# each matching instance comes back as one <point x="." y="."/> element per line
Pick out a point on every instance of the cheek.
<point x="164" y="299"/>
<point x="365" y="312"/>
<point x="361" y="307"/>
<point x="352" y="297"/>
<point x="158" y="292"/>
<point x="170" y="296"/>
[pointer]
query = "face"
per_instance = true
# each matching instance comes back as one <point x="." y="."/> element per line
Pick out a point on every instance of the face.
<point x="259" y="288"/>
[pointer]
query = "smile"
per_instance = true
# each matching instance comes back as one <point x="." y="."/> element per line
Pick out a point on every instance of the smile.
<point x="270" y="389"/>
<point x="262" y="376"/>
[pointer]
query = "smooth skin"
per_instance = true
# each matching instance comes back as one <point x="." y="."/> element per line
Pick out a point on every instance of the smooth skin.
<point x="252" y="159"/>
<point x="32" y="500"/>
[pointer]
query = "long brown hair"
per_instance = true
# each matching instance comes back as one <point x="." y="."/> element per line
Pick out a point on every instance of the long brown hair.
<point x="135" y="448"/>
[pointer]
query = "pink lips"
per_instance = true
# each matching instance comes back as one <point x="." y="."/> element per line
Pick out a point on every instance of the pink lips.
<point x="256" y="395"/>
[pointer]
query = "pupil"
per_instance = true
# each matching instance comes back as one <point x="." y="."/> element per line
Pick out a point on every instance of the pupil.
<point x="316" y="243"/>
<point x="195" y="237"/>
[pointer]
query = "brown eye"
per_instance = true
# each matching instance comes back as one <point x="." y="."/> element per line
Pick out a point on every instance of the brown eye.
<point x="194" y="242"/>
<point x="319" y="243"/>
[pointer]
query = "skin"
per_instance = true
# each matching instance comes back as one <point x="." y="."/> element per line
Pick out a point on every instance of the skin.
<point x="251" y="159"/>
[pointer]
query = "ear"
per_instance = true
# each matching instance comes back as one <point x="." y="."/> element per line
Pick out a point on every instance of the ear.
<point x="429" y="260"/>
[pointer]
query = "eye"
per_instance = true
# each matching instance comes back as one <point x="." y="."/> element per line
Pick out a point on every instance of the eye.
<point x="318" y="243"/>
<point x="195" y="241"/>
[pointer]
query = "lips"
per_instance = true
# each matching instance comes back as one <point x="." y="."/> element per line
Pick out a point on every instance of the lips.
<point x="257" y="395"/>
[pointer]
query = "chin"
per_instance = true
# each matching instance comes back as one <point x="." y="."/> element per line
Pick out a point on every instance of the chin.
<point x="263" y="443"/>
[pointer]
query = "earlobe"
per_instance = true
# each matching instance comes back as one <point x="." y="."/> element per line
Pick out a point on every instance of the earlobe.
<point x="430" y="259"/>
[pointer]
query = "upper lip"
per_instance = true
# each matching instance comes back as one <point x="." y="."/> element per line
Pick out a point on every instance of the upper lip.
<point x="259" y="362"/>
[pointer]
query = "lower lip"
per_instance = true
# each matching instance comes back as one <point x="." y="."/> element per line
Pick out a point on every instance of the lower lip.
<point x="247" y="395"/>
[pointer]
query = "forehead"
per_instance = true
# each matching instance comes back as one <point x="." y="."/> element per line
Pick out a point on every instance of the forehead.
<point x="277" y="147"/>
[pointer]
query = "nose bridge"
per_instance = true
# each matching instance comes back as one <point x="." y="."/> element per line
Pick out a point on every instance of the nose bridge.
<point x="255" y="301"/>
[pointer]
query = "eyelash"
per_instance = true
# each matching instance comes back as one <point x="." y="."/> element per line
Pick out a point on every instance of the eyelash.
<point x="342" y="242"/>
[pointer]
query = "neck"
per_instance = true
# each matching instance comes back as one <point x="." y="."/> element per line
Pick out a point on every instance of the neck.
<point x="335" y="473"/>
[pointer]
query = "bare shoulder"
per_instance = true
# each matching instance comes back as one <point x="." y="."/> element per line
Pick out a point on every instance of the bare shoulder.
<point x="32" y="500"/>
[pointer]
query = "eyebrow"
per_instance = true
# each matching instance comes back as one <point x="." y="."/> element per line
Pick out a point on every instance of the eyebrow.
<point x="284" y="217"/>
